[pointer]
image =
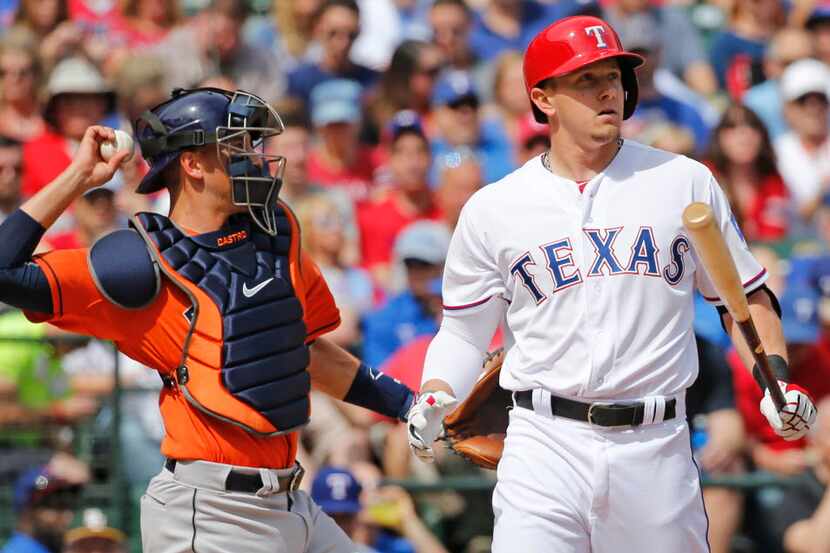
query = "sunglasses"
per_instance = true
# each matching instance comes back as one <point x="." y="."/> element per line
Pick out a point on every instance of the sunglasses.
<point x="454" y="31"/>
<point x="17" y="71"/>
<point x="415" y="263"/>
<point x="810" y="97"/>
<point x="334" y="33"/>
<point x="468" y="102"/>
<point x="431" y="72"/>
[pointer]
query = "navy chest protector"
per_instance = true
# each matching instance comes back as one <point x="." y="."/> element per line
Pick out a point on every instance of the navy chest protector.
<point x="246" y="274"/>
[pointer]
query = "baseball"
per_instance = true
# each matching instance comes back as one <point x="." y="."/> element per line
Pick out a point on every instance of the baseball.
<point x="123" y="141"/>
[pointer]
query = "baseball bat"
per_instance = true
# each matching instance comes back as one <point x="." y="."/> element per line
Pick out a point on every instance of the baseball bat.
<point x="719" y="265"/>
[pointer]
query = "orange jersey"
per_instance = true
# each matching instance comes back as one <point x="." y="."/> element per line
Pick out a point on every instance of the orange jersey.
<point x="155" y="335"/>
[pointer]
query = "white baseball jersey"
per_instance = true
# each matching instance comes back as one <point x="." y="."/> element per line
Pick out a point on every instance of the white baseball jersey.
<point x="600" y="283"/>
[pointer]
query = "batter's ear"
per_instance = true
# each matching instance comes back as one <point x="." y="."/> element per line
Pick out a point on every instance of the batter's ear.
<point x="542" y="102"/>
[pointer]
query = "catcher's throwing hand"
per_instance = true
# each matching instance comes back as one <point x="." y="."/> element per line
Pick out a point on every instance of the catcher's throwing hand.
<point x="425" y="422"/>
<point x="798" y="415"/>
<point x="88" y="160"/>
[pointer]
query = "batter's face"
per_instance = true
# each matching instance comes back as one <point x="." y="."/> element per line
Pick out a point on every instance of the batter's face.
<point x="587" y="104"/>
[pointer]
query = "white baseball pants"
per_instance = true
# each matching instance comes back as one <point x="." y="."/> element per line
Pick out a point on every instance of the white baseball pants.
<point x="570" y="487"/>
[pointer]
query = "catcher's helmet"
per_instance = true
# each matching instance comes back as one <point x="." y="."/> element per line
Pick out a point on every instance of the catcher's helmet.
<point x="572" y="43"/>
<point x="237" y="123"/>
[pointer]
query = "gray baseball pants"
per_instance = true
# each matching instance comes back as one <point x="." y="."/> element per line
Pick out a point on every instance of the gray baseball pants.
<point x="190" y="511"/>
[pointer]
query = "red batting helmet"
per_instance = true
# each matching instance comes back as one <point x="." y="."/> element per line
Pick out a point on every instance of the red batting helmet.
<point x="572" y="43"/>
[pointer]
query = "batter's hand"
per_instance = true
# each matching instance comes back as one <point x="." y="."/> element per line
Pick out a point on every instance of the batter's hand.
<point x="798" y="415"/>
<point x="88" y="159"/>
<point x="425" y="421"/>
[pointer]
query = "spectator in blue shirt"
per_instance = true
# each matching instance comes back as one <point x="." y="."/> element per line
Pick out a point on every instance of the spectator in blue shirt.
<point x="461" y="130"/>
<point x="639" y="33"/>
<point x="512" y="24"/>
<point x="45" y="499"/>
<point x="422" y="248"/>
<point x="737" y="51"/>
<point x="336" y="27"/>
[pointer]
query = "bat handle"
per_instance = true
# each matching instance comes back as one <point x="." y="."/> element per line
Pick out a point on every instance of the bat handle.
<point x="775" y="390"/>
<point x="759" y="355"/>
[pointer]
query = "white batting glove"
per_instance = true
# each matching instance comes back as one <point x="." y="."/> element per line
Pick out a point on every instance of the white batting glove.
<point x="425" y="422"/>
<point x="798" y="415"/>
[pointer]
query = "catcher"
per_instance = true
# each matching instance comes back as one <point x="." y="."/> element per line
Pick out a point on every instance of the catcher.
<point x="220" y="299"/>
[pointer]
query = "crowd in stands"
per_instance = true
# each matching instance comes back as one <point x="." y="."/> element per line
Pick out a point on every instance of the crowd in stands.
<point x="395" y="113"/>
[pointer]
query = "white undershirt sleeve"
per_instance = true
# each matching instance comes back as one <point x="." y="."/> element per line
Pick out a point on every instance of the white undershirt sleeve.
<point x="457" y="352"/>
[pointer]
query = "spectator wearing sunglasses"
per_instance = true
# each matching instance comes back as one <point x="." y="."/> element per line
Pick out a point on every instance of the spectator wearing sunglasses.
<point x="408" y="82"/>
<point x="20" y="109"/>
<point x="451" y="22"/>
<point x="804" y="152"/>
<point x="336" y="27"/>
<point x="786" y="47"/>
<point x="462" y="129"/>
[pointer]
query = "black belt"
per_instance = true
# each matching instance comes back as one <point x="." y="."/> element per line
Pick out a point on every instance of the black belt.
<point x="251" y="483"/>
<point x="628" y="413"/>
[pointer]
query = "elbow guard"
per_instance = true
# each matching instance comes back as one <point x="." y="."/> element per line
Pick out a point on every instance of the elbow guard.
<point x="380" y="393"/>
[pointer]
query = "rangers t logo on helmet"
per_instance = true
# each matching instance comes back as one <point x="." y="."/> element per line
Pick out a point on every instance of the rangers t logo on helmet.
<point x="597" y="31"/>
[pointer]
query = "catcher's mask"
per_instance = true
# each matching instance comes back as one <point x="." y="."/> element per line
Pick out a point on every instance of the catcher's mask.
<point x="239" y="123"/>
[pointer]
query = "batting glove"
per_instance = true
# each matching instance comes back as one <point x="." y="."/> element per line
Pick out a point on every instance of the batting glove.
<point x="425" y="422"/>
<point x="798" y="414"/>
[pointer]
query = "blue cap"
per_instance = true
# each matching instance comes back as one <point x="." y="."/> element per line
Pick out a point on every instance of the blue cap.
<point x="799" y="313"/>
<point x="820" y="13"/>
<point x="336" y="491"/>
<point x="335" y="101"/>
<point x="37" y="484"/>
<point x="453" y="87"/>
<point x="426" y="241"/>
<point x="405" y="121"/>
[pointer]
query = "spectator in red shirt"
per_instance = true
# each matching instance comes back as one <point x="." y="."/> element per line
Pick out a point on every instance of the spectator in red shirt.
<point x="78" y="98"/>
<point x="742" y="159"/>
<point x="409" y="200"/>
<point x="146" y="22"/>
<point x="338" y="160"/>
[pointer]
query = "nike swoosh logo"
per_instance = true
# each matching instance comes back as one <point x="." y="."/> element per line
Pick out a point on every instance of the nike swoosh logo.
<point x="251" y="292"/>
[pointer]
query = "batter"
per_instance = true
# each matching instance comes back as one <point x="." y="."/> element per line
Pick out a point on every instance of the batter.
<point x="582" y="253"/>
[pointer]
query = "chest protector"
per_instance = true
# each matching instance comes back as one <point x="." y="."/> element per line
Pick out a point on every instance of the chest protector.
<point x="244" y="358"/>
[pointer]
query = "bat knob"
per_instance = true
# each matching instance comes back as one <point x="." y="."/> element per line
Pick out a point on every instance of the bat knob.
<point x="697" y="215"/>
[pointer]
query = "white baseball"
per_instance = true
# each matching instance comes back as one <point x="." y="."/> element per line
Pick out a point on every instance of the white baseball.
<point x="123" y="141"/>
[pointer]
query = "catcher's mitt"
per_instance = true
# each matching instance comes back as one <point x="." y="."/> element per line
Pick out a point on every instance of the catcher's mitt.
<point x="476" y="428"/>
